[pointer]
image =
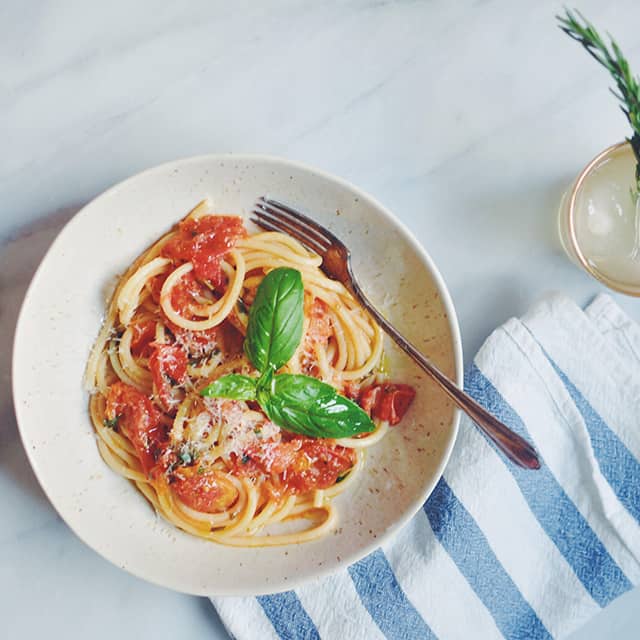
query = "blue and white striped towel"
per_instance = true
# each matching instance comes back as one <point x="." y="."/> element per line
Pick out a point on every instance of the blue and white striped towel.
<point x="499" y="551"/>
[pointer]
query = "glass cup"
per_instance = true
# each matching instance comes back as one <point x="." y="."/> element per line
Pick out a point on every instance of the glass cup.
<point x="599" y="220"/>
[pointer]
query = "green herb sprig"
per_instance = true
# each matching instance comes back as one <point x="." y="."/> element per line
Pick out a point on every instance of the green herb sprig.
<point x="112" y="423"/>
<point x="627" y="91"/>
<point x="298" y="403"/>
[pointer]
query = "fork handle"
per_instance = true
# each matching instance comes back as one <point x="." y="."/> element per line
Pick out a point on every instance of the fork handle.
<point x="517" y="449"/>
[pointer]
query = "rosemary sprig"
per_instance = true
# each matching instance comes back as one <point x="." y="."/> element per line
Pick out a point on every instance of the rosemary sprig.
<point x="576" y="26"/>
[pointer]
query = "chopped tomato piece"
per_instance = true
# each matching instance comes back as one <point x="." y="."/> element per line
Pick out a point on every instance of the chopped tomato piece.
<point x="155" y="286"/>
<point x="208" y="491"/>
<point x="317" y="465"/>
<point x="318" y="332"/>
<point x="387" y="401"/>
<point x="196" y="343"/>
<point x="232" y="339"/>
<point x="143" y="335"/>
<point x="168" y="366"/>
<point x="186" y="293"/>
<point x="271" y="457"/>
<point x="204" y="242"/>
<point x="319" y="321"/>
<point x="302" y="463"/>
<point x="351" y="389"/>
<point x="139" y="420"/>
<point x="369" y="398"/>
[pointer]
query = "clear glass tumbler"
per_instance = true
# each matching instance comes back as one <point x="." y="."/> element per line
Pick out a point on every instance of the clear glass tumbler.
<point x="599" y="220"/>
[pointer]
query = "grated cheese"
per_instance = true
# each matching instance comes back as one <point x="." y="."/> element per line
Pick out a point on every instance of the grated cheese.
<point x="241" y="428"/>
<point x="201" y="426"/>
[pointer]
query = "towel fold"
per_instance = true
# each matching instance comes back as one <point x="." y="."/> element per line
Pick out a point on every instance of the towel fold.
<point x="499" y="551"/>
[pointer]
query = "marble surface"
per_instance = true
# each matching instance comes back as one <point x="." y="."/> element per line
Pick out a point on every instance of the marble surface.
<point x="467" y="119"/>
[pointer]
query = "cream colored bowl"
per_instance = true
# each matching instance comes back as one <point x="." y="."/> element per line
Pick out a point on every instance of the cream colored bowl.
<point x="60" y="319"/>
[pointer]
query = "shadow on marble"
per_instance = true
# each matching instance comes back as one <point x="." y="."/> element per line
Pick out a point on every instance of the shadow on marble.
<point x="20" y="255"/>
<point x="528" y="217"/>
<point x="481" y="314"/>
<point x="211" y="614"/>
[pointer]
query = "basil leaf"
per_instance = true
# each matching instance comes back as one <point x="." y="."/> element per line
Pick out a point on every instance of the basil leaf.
<point x="233" y="386"/>
<point x="275" y="319"/>
<point x="308" y="406"/>
<point x="111" y="423"/>
<point x="186" y="457"/>
<point x="264" y="387"/>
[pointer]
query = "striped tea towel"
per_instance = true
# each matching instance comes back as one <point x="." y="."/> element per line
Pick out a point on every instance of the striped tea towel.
<point x="499" y="551"/>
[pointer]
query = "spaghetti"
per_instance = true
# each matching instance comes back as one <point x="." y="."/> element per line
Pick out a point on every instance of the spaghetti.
<point x="216" y="467"/>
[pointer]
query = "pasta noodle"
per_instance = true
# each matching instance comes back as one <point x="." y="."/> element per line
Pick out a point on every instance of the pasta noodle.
<point x="218" y="468"/>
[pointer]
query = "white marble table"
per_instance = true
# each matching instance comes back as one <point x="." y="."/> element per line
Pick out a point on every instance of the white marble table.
<point x="467" y="119"/>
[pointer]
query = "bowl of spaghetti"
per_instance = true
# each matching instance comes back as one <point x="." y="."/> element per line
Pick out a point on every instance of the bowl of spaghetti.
<point x="228" y="420"/>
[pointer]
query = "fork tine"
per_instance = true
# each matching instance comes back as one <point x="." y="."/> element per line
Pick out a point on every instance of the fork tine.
<point x="275" y="225"/>
<point x="271" y="214"/>
<point x="301" y="218"/>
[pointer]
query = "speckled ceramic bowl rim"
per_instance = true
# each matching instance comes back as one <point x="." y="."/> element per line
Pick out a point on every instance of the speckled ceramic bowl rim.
<point x="456" y="347"/>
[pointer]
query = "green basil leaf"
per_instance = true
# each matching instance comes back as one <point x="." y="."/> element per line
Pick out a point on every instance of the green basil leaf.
<point x="308" y="406"/>
<point x="264" y="387"/>
<point x="112" y="423"/>
<point x="233" y="386"/>
<point x="275" y="319"/>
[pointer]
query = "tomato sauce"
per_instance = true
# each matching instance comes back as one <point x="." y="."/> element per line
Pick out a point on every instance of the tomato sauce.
<point x="387" y="401"/>
<point x="139" y="420"/>
<point x="196" y="343"/>
<point x="203" y="490"/>
<point x="303" y="463"/>
<point x="204" y="242"/>
<point x="155" y="286"/>
<point x="185" y="293"/>
<point x="288" y="463"/>
<point x="318" y="333"/>
<point x="168" y="366"/>
<point x="143" y="335"/>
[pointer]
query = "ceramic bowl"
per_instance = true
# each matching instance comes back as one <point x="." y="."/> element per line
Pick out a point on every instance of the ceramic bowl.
<point x="60" y="318"/>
